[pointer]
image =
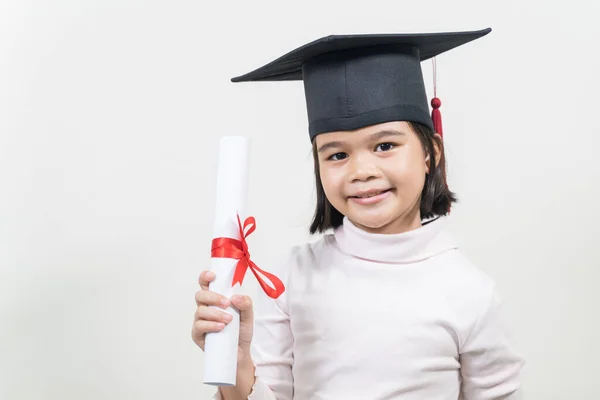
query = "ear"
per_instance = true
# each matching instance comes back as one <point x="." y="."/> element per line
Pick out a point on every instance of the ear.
<point x="437" y="142"/>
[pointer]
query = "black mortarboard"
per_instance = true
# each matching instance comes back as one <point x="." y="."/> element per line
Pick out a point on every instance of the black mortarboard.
<point x="352" y="81"/>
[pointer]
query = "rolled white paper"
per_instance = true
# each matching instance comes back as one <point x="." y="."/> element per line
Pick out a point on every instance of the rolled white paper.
<point x="221" y="348"/>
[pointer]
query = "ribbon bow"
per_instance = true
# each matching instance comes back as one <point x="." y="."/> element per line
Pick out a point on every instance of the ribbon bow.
<point x="225" y="247"/>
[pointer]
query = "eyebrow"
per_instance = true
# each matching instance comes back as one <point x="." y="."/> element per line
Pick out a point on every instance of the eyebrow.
<point x="373" y="137"/>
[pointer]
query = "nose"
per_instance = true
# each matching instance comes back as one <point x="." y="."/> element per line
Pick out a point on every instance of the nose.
<point x="362" y="170"/>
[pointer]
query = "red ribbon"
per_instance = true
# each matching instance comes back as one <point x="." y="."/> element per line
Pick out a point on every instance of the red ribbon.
<point x="225" y="247"/>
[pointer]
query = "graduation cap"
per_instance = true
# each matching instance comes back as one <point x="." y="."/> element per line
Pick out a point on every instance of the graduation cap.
<point x="352" y="81"/>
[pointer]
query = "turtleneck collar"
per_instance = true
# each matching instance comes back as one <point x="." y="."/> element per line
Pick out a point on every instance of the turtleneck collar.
<point x="407" y="247"/>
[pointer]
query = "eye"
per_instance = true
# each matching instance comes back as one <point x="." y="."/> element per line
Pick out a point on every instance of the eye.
<point x="337" y="156"/>
<point x="385" y="146"/>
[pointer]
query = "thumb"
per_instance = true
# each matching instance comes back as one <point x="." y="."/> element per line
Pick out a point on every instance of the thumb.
<point x="244" y="305"/>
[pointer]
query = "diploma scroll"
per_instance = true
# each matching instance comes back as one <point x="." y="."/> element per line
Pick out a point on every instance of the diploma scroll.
<point x="221" y="348"/>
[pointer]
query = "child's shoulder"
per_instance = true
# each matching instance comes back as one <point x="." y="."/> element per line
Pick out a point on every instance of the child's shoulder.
<point x="303" y="256"/>
<point x="460" y="263"/>
<point x="300" y="253"/>
<point x="309" y="251"/>
<point x="458" y="272"/>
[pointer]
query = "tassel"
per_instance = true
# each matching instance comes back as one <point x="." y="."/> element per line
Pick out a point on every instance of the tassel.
<point x="436" y="103"/>
<point x="436" y="116"/>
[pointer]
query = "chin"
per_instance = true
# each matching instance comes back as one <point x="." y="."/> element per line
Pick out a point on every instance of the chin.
<point x="372" y="222"/>
<point x="383" y="219"/>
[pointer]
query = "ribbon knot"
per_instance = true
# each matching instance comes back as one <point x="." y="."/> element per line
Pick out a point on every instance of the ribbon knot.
<point x="225" y="247"/>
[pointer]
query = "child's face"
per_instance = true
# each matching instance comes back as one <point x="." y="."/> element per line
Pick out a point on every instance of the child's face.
<point x="386" y="162"/>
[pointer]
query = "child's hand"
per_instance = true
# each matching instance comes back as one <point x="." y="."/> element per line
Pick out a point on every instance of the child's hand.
<point x="208" y="319"/>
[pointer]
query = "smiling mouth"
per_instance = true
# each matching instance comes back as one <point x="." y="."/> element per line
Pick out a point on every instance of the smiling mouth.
<point x="370" y="194"/>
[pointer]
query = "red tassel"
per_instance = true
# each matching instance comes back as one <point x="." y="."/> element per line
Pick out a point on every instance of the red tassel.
<point x="436" y="116"/>
<point x="436" y="103"/>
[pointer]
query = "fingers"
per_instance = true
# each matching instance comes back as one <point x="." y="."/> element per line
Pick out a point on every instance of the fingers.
<point x="204" y="297"/>
<point x="244" y="304"/>
<point x="202" y="327"/>
<point x="205" y="278"/>
<point x="208" y="319"/>
<point x="212" y="314"/>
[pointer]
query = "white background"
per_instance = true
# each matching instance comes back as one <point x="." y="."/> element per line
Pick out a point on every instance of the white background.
<point x="110" y="116"/>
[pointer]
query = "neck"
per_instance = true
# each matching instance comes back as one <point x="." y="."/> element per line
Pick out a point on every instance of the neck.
<point x="407" y="247"/>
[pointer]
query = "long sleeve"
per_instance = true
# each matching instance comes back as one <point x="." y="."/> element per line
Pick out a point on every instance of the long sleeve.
<point x="490" y="368"/>
<point x="272" y="350"/>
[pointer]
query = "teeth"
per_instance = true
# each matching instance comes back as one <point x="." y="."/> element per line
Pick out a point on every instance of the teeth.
<point x="370" y="195"/>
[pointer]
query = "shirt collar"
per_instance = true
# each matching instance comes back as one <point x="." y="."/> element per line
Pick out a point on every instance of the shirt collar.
<point x="416" y="245"/>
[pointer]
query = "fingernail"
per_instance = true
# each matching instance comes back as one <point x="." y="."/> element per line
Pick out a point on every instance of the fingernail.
<point x="225" y="302"/>
<point x="210" y="275"/>
<point x="227" y="318"/>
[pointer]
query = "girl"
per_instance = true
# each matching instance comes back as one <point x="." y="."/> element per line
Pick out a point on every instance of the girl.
<point x="384" y="306"/>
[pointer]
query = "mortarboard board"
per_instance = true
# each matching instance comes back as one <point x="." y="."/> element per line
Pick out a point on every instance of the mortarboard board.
<point x="352" y="81"/>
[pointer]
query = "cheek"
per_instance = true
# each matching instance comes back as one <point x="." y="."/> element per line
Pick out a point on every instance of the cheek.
<point x="331" y="180"/>
<point x="407" y="170"/>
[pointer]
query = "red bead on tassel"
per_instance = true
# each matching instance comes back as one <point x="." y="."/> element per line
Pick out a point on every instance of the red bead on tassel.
<point x="436" y="115"/>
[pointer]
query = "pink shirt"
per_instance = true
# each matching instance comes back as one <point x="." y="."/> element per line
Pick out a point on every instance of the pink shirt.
<point x="381" y="317"/>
